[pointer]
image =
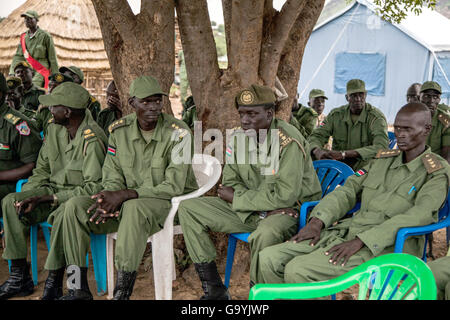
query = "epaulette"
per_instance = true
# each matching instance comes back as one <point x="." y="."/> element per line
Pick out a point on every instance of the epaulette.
<point x="444" y="118"/>
<point x="431" y="162"/>
<point x="116" y="124"/>
<point x="285" y="140"/>
<point x="51" y="120"/>
<point x="41" y="107"/>
<point x="93" y="99"/>
<point x="387" y="153"/>
<point x="88" y="133"/>
<point x="11" y="118"/>
<point x="181" y="131"/>
<point x="191" y="107"/>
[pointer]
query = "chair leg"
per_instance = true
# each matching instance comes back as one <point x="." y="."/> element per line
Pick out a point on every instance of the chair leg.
<point x="98" y="250"/>
<point x="110" y="264"/>
<point x="33" y="249"/>
<point x="162" y="257"/>
<point x="230" y="258"/>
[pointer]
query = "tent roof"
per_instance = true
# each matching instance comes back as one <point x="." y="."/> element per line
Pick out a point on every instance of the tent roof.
<point x="430" y="28"/>
<point x="73" y="25"/>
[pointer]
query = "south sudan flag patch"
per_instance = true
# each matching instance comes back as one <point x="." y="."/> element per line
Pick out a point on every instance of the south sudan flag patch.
<point x="112" y="150"/>
<point x="360" y="172"/>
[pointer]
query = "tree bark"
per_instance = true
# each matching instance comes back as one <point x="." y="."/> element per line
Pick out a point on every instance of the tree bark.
<point x="138" y="45"/>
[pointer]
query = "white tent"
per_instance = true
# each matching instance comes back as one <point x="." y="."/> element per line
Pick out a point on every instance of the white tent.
<point x="357" y="43"/>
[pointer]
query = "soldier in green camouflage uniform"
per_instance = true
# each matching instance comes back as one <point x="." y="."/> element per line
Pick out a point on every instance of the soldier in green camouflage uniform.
<point x="258" y="197"/>
<point x="139" y="180"/>
<point x="399" y="188"/>
<point x="19" y="145"/>
<point x="31" y="92"/>
<point x="113" y="111"/>
<point x="358" y="129"/>
<point x="439" y="138"/>
<point x="78" y="77"/>
<point x="14" y="96"/>
<point x="69" y="165"/>
<point x="304" y="118"/>
<point x="189" y="112"/>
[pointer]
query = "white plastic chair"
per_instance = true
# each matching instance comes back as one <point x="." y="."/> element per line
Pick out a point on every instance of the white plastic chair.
<point x="207" y="170"/>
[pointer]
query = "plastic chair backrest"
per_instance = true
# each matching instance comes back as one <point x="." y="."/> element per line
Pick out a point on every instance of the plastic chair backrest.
<point x="392" y="140"/>
<point x="331" y="173"/>
<point x="392" y="276"/>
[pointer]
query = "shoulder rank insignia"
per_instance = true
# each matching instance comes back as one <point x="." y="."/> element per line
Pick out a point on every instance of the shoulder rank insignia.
<point x="116" y="124"/>
<point x="88" y="134"/>
<point x="444" y="119"/>
<point x="431" y="163"/>
<point x="93" y="99"/>
<point x="285" y="140"/>
<point x="12" y="118"/>
<point x="387" y="153"/>
<point x="51" y="120"/>
<point x="182" y="132"/>
<point x="23" y="128"/>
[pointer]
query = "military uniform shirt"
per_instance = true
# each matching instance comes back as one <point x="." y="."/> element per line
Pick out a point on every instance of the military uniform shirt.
<point x="94" y="107"/>
<point x="366" y="136"/>
<point x="439" y="136"/>
<point x="190" y="116"/>
<point x="393" y="195"/>
<point x="306" y="118"/>
<point x="105" y="118"/>
<point x="30" y="98"/>
<point x="70" y="167"/>
<point x="131" y="163"/>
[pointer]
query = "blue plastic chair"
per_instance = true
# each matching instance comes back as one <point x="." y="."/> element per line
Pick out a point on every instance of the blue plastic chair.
<point x="443" y="222"/>
<point x="392" y="140"/>
<point x="331" y="173"/>
<point x="98" y="250"/>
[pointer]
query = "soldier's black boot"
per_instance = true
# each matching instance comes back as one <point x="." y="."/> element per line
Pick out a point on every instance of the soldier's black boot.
<point x="212" y="284"/>
<point x="77" y="290"/>
<point x="19" y="283"/>
<point x="53" y="289"/>
<point x="124" y="285"/>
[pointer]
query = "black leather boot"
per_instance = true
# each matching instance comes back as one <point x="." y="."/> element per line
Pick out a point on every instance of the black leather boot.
<point x="81" y="293"/>
<point x="53" y="289"/>
<point x="19" y="283"/>
<point x="124" y="285"/>
<point x="211" y="282"/>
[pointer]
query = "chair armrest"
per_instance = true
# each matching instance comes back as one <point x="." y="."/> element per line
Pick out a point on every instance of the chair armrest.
<point x="304" y="210"/>
<point x="404" y="233"/>
<point x="20" y="183"/>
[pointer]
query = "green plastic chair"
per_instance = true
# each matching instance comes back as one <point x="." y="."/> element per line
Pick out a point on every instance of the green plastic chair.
<point x="394" y="276"/>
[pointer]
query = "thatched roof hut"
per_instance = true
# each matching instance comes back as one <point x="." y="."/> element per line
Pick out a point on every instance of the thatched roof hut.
<point x="76" y="33"/>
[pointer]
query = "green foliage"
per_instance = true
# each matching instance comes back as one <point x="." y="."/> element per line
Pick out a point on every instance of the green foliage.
<point x="395" y="11"/>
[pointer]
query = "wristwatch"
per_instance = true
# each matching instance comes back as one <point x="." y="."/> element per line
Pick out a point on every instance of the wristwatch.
<point x="343" y="154"/>
<point x="55" y="201"/>
<point x="262" y="214"/>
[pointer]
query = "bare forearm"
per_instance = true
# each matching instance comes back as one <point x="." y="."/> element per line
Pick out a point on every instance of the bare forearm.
<point x="17" y="173"/>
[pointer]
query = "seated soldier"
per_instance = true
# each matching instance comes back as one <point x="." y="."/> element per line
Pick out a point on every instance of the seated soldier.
<point x="189" y="112"/>
<point x="441" y="271"/>
<point x="139" y="180"/>
<point x="113" y="111"/>
<point x="19" y="145"/>
<point x="304" y="118"/>
<point x="254" y="196"/>
<point x="14" y="96"/>
<point x="358" y="130"/>
<point x="69" y="165"/>
<point x="78" y="77"/>
<point x="43" y="116"/>
<point x="399" y="188"/>
<point x="31" y="92"/>
<point x="439" y="138"/>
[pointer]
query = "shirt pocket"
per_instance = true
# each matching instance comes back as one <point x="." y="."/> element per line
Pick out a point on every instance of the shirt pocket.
<point x="74" y="173"/>
<point x="371" y="195"/>
<point x="401" y="200"/>
<point x="158" y="168"/>
<point x="39" y="52"/>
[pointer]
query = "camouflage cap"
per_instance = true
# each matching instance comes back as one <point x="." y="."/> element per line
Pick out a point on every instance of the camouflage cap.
<point x="31" y="14"/>
<point x="22" y="64"/>
<point x="68" y="94"/>
<point x="60" y="77"/>
<point x="13" y="82"/>
<point x="427" y="85"/>
<point x="145" y="86"/>
<point x="75" y="70"/>
<point x="356" y="85"/>
<point x="315" y="93"/>
<point x="255" y="95"/>
<point x="3" y="86"/>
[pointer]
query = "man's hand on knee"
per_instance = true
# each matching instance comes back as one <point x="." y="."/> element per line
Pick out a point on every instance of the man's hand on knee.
<point x="28" y="205"/>
<point x="310" y="231"/>
<point x="344" y="251"/>
<point x="108" y="204"/>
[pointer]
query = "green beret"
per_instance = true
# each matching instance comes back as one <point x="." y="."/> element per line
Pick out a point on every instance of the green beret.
<point x="68" y="94"/>
<point x="255" y="95"/>
<point x="315" y="93"/>
<point x="356" y="85"/>
<point x="31" y="14"/>
<point x="22" y="64"/>
<point x="3" y="86"/>
<point x="13" y="82"/>
<point x="60" y="78"/>
<point x="427" y="85"/>
<point x="75" y="70"/>
<point x="145" y="86"/>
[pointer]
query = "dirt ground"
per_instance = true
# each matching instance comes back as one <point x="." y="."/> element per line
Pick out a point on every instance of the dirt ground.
<point x="187" y="286"/>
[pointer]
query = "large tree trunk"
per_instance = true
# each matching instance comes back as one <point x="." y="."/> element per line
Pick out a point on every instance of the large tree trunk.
<point x="138" y="45"/>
